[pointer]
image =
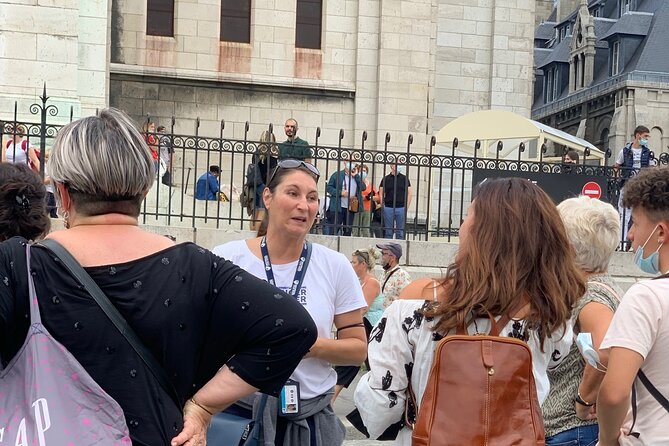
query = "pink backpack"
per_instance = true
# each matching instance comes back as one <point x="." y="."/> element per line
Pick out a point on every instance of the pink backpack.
<point x="47" y="398"/>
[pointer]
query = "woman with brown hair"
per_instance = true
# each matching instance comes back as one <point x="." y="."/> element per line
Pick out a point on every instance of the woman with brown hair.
<point x="514" y="259"/>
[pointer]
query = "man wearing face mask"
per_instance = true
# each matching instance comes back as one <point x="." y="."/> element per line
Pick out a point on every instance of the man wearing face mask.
<point x="345" y="191"/>
<point x="395" y="192"/>
<point x="395" y="277"/>
<point x="632" y="158"/>
<point x="638" y="337"/>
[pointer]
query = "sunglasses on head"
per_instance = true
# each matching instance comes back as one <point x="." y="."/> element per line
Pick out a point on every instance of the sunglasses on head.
<point x="293" y="164"/>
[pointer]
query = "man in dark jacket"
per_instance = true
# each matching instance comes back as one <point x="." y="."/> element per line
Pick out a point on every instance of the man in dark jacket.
<point x="344" y="188"/>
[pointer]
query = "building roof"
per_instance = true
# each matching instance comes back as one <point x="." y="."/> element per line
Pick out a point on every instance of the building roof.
<point x="545" y="31"/>
<point x="602" y="26"/>
<point x="631" y="24"/>
<point x="653" y="53"/>
<point x="560" y="53"/>
<point x="540" y="55"/>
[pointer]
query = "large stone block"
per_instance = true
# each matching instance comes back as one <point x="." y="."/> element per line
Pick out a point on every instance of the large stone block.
<point x="21" y="46"/>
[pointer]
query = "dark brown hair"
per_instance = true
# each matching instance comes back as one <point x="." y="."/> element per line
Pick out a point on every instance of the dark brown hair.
<point x="22" y="203"/>
<point x="649" y="190"/>
<point x="516" y="252"/>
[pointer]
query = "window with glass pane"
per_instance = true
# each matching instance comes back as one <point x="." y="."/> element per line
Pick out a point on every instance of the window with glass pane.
<point x="236" y="21"/>
<point x="308" y="24"/>
<point x="615" y="58"/>
<point x="160" y="18"/>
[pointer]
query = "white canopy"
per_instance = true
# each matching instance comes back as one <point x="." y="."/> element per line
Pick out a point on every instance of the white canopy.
<point x="490" y="126"/>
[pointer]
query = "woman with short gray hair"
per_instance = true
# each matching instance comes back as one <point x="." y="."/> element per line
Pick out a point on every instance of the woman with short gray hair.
<point x="593" y="228"/>
<point x="213" y="328"/>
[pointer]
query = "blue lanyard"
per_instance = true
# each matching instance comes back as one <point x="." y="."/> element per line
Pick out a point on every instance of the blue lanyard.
<point x="299" y="272"/>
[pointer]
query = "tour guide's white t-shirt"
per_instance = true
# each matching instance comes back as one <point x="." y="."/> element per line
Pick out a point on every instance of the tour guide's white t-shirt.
<point x="330" y="288"/>
<point x="641" y="324"/>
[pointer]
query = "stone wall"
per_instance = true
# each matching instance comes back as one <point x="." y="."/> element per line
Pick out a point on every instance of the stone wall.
<point x="61" y="43"/>
<point x="483" y="57"/>
<point x="397" y="66"/>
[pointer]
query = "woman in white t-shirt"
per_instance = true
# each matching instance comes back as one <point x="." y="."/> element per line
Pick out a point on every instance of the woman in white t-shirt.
<point x="514" y="260"/>
<point x="18" y="150"/>
<point x="329" y="291"/>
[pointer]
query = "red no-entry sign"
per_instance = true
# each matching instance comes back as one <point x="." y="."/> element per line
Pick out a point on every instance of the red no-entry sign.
<point x="592" y="190"/>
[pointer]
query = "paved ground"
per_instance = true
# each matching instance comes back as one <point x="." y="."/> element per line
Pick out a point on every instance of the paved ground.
<point x="343" y="406"/>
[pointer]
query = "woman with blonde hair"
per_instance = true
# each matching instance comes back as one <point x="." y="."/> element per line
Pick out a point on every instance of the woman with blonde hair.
<point x="363" y="262"/>
<point x="593" y="228"/>
<point x="264" y="161"/>
<point x="507" y="265"/>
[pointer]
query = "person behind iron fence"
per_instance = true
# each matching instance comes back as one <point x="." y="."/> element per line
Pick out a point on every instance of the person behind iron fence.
<point x="320" y="279"/>
<point x="637" y="341"/>
<point x="395" y="191"/>
<point x="570" y="416"/>
<point x="202" y="319"/>
<point x="207" y="186"/>
<point x="362" y="220"/>
<point x="18" y="149"/>
<point x="264" y="161"/>
<point x="294" y="147"/>
<point x="166" y="150"/>
<point x="506" y="263"/>
<point x="630" y="160"/>
<point x="345" y="191"/>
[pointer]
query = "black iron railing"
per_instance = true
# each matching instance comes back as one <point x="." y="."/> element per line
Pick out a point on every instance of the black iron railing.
<point x="441" y="180"/>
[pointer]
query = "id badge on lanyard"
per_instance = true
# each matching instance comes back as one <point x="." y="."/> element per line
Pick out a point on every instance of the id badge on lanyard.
<point x="290" y="393"/>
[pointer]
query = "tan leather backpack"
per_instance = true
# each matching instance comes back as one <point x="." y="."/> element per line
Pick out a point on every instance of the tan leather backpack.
<point x="480" y="392"/>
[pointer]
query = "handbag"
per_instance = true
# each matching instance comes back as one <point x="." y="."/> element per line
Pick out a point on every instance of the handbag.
<point x="227" y="429"/>
<point x="48" y="398"/>
<point x="354" y="204"/>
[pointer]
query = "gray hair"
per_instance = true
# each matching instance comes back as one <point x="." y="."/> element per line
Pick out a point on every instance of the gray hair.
<point x="104" y="161"/>
<point x="593" y="228"/>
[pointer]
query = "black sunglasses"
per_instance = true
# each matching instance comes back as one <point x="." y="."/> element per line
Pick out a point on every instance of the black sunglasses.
<point x="293" y="164"/>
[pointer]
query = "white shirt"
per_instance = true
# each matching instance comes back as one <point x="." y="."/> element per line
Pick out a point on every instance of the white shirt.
<point x="636" y="153"/>
<point x="17" y="155"/>
<point x="330" y="288"/>
<point x="407" y="338"/>
<point x="641" y="324"/>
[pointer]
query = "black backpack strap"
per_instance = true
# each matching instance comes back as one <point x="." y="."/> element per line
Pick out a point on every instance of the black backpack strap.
<point x="653" y="390"/>
<point x="113" y="314"/>
<point x="383" y="287"/>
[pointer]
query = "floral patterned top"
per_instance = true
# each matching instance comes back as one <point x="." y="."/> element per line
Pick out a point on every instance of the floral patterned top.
<point x="394" y="281"/>
<point x="401" y="348"/>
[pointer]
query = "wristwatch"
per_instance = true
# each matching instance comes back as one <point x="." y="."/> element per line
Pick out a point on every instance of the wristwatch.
<point x="581" y="401"/>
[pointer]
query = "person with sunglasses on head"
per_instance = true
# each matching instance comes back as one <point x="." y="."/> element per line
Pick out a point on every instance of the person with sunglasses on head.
<point x="363" y="262"/>
<point x="320" y="279"/>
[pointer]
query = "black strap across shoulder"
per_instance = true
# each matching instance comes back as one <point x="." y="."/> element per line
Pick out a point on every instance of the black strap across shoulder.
<point x="383" y="287"/>
<point x="649" y="386"/>
<point x="113" y="314"/>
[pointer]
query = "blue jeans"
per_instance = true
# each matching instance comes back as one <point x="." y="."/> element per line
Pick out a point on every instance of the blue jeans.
<point x="578" y="436"/>
<point x="393" y="217"/>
